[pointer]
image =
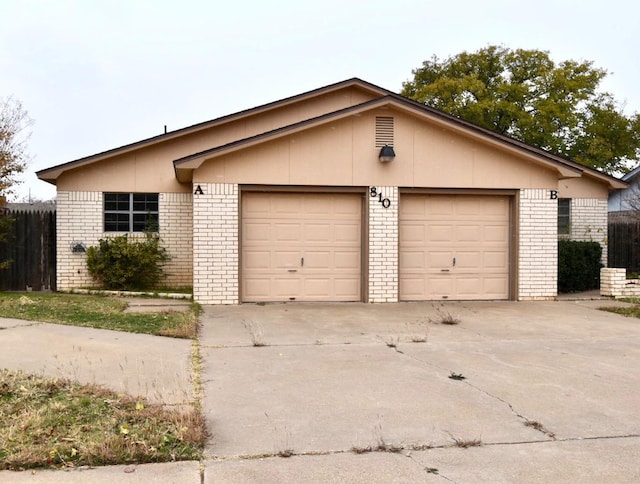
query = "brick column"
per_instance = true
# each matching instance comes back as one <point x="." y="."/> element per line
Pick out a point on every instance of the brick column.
<point x="215" y="243"/>
<point x="176" y="226"/>
<point x="78" y="220"/>
<point x="383" y="245"/>
<point x="538" y="245"/>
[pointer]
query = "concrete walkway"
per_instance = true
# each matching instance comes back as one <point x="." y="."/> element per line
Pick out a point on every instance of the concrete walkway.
<point x="362" y="393"/>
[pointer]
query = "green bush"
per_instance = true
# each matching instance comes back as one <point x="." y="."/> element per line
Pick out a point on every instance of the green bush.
<point x="123" y="264"/>
<point x="578" y="265"/>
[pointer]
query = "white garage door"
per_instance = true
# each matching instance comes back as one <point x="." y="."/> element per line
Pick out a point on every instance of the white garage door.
<point x="454" y="247"/>
<point x="301" y="247"/>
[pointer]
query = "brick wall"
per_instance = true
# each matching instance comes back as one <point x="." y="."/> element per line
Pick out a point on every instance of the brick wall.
<point x="383" y="247"/>
<point x="589" y="222"/>
<point x="538" y="245"/>
<point x="79" y="219"/>
<point x="176" y="232"/>
<point x="215" y="244"/>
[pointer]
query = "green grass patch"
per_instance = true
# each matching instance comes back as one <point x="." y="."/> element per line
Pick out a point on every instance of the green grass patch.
<point x="98" y="312"/>
<point x="631" y="311"/>
<point x="47" y="422"/>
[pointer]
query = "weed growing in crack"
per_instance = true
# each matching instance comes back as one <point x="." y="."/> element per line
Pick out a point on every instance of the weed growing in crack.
<point x="466" y="443"/>
<point x="418" y="331"/>
<point x="539" y="427"/>
<point x="256" y="333"/>
<point x="431" y="470"/>
<point x="444" y="317"/>
<point x="457" y="376"/>
<point x="361" y="450"/>
<point x="392" y="342"/>
<point x="281" y="440"/>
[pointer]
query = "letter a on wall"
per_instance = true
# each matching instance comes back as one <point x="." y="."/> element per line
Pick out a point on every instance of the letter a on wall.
<point x="198" y="191"/>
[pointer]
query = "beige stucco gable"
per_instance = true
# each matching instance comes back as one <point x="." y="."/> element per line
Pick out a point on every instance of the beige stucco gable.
<point x="343" y="152"/>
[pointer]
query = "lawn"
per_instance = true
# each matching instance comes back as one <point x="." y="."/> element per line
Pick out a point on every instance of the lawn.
<point x="97" y="312"/>
<point x="630" y="311"/>
<point x="47" y="422"/>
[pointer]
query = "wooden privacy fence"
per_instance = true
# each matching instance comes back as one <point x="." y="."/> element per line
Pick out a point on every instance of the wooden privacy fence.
<point x="31" y="248"/>
<point x="624" y="244"/>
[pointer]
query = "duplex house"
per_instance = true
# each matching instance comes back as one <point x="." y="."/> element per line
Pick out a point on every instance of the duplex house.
<point x="348" y="192"/>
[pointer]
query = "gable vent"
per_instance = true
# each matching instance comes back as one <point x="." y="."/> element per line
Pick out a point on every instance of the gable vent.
<point x="384" y="131"/>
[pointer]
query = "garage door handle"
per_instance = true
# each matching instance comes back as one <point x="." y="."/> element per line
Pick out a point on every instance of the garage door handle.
<point x="293" y="270"/>
<point x="444" y="270"/>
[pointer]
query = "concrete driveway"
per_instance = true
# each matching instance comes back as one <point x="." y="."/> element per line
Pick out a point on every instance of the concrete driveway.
<point x="551" y="393"/>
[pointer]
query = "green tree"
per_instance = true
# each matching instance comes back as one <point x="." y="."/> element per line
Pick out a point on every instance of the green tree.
<point x="526" y="95"/>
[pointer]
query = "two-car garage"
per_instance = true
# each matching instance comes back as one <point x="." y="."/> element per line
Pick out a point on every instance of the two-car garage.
<point x="310" y="246"/>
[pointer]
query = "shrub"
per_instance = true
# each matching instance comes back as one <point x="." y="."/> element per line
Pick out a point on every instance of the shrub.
<point x="123" y="264"/>
<point x="578" y="265"/>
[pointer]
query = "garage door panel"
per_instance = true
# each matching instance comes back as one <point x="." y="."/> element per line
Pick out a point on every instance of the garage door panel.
<point x="439" y="233"/>
<point x="413" y="261"/>
<point x="412" y="233"/>
<point x="284" y="259"/>
<point x="257" y="259"/>
<point x="435" y="229"/>
<point x="255" y="232"/>
<point x="496" y="260"/>
<point x="346" y="260"/>
<point x="298" y="247"/>
<point x="469" y="260"/>
<point x="414" y="286"/>
<point x="468" y="233"/>
<point x="496" y="233"/>
<point x="289" y="232"/>
<point x="345" y="288"/>
<point x="437" y="260"/>
<point x="349" y="233"/>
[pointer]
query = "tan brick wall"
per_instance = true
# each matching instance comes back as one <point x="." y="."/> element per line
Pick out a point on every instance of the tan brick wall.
<point x="589" y="222"/>
<point x="383" y="246"/>
<point x="176" y="232"/>
<point x="538" y="245"/>
<point x="215" y="244"/>
<point x="79" y="219"/>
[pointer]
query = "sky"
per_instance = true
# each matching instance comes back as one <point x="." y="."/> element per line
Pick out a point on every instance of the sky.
<point x="96" y="75"/>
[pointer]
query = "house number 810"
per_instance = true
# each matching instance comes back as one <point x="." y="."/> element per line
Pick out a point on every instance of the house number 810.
<point x="373" y="192"/>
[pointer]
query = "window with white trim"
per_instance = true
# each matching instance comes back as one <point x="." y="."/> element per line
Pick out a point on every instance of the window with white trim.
<point x="131" y="212"/>
<point x="564" y="216"/>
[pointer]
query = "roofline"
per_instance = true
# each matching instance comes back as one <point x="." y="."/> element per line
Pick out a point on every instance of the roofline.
<point x="50" y="174"/>
<point x="632" y="174"/>
<point x="565" y="168"/>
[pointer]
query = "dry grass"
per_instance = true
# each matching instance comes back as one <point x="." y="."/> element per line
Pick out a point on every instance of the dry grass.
<point x="466" y="443"/>
<point x="46" y="422"/>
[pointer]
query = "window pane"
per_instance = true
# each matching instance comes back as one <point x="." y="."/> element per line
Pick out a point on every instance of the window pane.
<point x="145" y="222"/>
<point x="564" y="216"/>
<point x="145" y="202"/>
<point x="116" y="201"/>
<point x="116" y="222"/>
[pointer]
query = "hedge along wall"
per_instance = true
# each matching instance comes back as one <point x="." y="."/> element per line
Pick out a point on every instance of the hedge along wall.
<point x="579" y="265"/>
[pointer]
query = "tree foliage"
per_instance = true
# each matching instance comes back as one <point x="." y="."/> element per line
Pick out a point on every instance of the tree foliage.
<point x="526" y="95"/>
<point x="14" y="121"/>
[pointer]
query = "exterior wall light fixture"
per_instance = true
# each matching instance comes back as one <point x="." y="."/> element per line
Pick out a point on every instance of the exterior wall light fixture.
<point x="386" y="154"/>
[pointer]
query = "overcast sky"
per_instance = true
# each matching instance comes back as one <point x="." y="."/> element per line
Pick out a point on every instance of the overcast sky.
<point x="97" y="74"/>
